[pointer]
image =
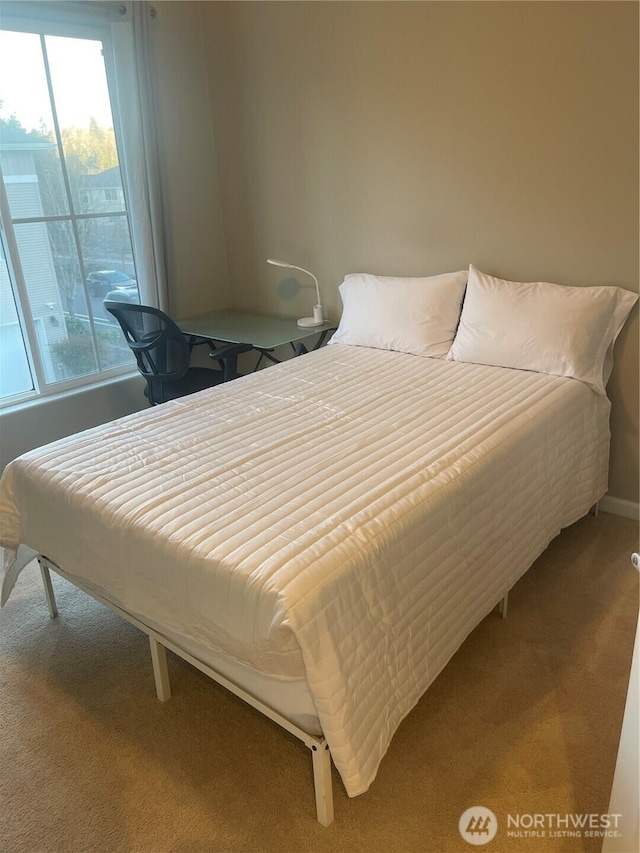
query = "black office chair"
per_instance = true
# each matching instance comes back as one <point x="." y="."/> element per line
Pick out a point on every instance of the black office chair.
<point x="163" y="353"/>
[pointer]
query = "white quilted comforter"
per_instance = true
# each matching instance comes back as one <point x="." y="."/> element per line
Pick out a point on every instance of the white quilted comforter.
<point x="348" y="517"/>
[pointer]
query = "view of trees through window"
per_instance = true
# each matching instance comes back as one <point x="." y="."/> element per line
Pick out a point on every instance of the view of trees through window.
<point x="66" y="242"/>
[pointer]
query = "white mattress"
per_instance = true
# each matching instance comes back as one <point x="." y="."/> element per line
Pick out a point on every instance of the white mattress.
<point x="346" y="518"/>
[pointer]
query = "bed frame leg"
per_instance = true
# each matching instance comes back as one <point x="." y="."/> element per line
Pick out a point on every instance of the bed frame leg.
<point x="503" y="606"/>
<point x="160" y="669"/>
<point x="595" y="509"/>
<point x="48" y="589"/>
<point x="322" y="782"/>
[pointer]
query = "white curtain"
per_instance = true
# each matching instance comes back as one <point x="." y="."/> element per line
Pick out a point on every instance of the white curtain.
<point x="133" y="67"/>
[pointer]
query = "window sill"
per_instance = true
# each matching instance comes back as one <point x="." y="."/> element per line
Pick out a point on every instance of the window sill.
<point x="66" y="393"/>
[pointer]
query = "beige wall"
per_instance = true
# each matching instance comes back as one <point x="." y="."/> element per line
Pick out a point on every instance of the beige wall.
<point x="415" y="138"/>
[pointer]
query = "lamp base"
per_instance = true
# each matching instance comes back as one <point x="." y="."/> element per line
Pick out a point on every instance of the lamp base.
<point x="316" y="320"/>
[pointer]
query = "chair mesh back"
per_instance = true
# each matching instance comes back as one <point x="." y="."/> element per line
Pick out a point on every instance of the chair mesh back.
<point x="160" y="348"/>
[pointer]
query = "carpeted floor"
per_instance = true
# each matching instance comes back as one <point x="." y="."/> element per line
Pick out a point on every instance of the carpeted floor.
<point x="525" y="719"/>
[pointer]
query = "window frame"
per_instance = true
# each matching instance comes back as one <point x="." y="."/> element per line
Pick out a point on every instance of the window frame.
<point x="91" y="24"/>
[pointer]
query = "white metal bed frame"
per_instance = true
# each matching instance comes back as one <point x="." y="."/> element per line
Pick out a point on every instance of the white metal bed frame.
<point x="320" y="754"/>
<point x="321" y="757"/>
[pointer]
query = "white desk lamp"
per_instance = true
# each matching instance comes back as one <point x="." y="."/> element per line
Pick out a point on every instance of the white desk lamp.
<point x="318" y="318"/>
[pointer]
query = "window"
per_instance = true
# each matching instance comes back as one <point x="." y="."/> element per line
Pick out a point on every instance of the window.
<point x="65" y="240"/>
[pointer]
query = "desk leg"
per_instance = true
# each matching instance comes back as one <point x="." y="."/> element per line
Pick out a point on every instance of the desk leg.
<point x="266" y="353"/>
<point x="301" y="349"/>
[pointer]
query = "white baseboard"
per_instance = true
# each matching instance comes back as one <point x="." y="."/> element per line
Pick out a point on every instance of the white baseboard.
<point x="617" y="506"/>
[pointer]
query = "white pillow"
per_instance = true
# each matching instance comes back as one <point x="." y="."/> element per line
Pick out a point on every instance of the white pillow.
<point x="549" y="328"/>
<point x="414" y="315"/>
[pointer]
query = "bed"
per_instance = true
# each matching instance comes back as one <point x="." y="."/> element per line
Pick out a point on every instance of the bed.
<point x="321" y="537"/>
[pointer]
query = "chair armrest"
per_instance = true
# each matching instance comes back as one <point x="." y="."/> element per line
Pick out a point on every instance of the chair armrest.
<point x="226" y="350"/>
<point x="227" y="356"/>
